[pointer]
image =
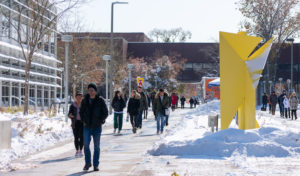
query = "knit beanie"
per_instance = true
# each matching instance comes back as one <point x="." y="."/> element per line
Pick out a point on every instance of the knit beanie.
<point x="92" y="85"/>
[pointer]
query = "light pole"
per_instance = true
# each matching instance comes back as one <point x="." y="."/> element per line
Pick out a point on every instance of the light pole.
<point x="280" y="80"/>
<point x="106" y="58"/>
<point x="67" y="39"/>
<point x="270" y="82"/>
<point x="130" y="66"/>
<point x="112" y="50"/>
<point x="264" y="82"/>
<point x="81" y="84"/>
<point x="292" y="60"/>
<point x="155" y="77"/>
<point x="61" y="80"/>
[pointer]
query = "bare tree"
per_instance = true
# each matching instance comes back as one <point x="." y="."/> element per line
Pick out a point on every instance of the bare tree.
<point x="172" y="35"/>
<point x="271" y="18"/>
<point x="33" y="25"/>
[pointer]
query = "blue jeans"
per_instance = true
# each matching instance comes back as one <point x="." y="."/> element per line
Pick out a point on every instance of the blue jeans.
<point x="160" y="122"/>
<point x="140" y="119"/>
<point x="96" y="134"/>
<point x="167" y="119"/>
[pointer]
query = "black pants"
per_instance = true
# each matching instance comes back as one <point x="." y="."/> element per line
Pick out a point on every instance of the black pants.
<point x="182" y="105"/>
<point x="294" y="113"/>
<point x="287" y="112"/>
<point x="173" y="107"/>
<point x="273" y="107"/>
<point x="133" y="120"/>
<point x="145" y="114"/>
<point x="265" y="106"/>
<point x="78" y="135"/>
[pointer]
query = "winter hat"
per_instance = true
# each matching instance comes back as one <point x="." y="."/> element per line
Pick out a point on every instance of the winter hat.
<point x="92" y="85"/>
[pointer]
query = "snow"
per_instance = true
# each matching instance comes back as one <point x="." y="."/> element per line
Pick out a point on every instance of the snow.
<point x="33" y="133"/>
<point x="191" y="141"/>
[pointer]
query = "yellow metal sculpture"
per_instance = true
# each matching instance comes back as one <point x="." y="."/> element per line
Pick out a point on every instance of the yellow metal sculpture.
<point x="240" y="71"/>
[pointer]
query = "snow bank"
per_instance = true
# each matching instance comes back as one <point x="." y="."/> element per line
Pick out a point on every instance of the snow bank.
<point x="33" y="133"/>
<point x="276" y="138"/>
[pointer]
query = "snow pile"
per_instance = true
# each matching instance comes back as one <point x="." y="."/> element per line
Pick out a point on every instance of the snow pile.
<point x="276" y="138"/>
<point x="33" y="133"/>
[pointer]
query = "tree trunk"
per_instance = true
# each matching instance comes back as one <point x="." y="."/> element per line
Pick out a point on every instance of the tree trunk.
<point x="27" y="76"/>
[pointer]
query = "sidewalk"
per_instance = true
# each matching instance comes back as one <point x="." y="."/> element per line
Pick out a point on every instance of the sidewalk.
<point x="119" y="154"/>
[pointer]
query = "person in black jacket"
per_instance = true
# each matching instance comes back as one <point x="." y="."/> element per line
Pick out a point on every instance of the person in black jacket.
<point x="280" y="103"/>
<point x="118" y="104"/>
<point x="191" y="102"/>
<point x="265" y="101"/>
<point x="133" y="109"/>
<point x="77" y="125"/>
<point x="143" y="106"/>
<point x="93" y="113"/>
<point x="182" y="100"/>
<point x="273" y="101"/>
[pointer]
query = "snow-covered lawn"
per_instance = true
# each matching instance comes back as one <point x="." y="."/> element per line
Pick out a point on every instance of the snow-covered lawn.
<point x="33" y="133"/>
<point x="191" y="149"/>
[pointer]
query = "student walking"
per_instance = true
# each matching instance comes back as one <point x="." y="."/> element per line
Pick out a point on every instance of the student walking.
<point x="77" y="125"/>
<point x="133" y="109"/>
<point x="160" y="105"/>
<point x="273" y="101"/>
<point x="286" y="104"/>
<point x="118" y="104"/>
<point x="191" y="102"/>
<point x="93" y="113"/>
<point x="294" y="105"/>
<point x="182" y="100"/>
<point x="143" y="106"/>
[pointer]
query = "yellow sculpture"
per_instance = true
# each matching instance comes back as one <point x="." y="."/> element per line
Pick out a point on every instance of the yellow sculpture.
<point x="240" y="71"/>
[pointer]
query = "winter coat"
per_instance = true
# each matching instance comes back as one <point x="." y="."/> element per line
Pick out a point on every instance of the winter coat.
<point x="118" y="104"/>
<point x="182" y="99"/>
<point x="133" y="106"/>
<point x="93" y="115"/>
<point x="265" y="99"/>
<point x="191" y="101"/>
<point x="195" y="101"/>
<point x="286" y="103"/>
<point x="73" y="111"/>
<point x="294" y="103"/>
<point x="152" y="95"/>
<point x="273" y="99"/>
<point x="173" y="100"/>
<point x="143" y="102"/>
<point x="280" y="99"/>
<point x="160" y="106"/>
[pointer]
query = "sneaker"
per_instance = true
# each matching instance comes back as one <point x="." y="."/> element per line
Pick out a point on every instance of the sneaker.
<point x="119" y="131"/>
<point x="76" y="154"/>
<point x="167" y="124"/>
<point x="80" y="154"/>
<point x="115" y="131"/>
<point x="157" y="132"/>
<point x="87" y="166"/>
<point x="134" y="130"/>
<point x="96" y="168"/>
<point x="161" y="132"/>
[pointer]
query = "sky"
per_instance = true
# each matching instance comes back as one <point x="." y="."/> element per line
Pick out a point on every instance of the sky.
<point x="204" y="18"/>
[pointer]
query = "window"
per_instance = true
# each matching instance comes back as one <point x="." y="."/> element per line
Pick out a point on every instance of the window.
<point x="188" y="66"/>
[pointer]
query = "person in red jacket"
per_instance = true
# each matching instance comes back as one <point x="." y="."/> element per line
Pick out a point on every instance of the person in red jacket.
<point x="173" y="101"/>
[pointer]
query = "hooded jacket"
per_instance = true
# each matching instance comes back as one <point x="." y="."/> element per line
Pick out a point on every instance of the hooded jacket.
<point x="160" y="106"/>
<point x="133" y="105"/>
<point x="294" y="102"/>
<point x="94" y="114"/>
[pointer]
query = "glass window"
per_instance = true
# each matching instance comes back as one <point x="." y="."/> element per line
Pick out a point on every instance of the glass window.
<point x="188" y="66"/>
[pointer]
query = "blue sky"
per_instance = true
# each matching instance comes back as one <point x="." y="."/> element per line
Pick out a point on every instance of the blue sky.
<point x="204" y="18"/>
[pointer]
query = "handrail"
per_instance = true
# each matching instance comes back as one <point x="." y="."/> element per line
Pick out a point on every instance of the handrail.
<point x="23" y="100"/>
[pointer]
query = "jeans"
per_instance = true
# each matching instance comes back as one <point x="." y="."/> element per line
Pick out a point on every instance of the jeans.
<point x="160" y="122"/>
<point x="287" y="112"/>
<point x="265" y="106"/>
<point x="281" y="108"/>
<point x="140" y="119"/>
<point x="167" y="119"/>
<point x="294" y="114"/>
<point x="273" y="107"/>
<point x="96" y="134"/>
<point x="133" y="121"/>
<point x="118" y="121"/>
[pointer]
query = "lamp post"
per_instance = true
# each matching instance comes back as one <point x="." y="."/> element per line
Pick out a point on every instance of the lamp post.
<point x="112" y="49"/>
<point x="292" y="60"/>
<point x="270" y="82"/>
<point x="155" y="77"/>
<point x="280" y="80"/>
<point x="67" y="39"/>
<point x="130" y="66"/>
<point x="264" y="82"/>
<point x="106" y="58"/>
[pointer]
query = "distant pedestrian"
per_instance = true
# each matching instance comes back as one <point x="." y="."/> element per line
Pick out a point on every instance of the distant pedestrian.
<point x="77" y="125"/>
<point x="280" y="103"/>
<point x="182" y="100"/>
<point x="160" y="107"/>
<point x="146" y="108"/>
<point x="169" y="107"/>
<point x="294" y="105"/>
<point x="93" y="112"/>
<point x="173" y="101"/>
<point x="191" y="102"/>
<point x="265" y="101"/>
<point x="286" y="104"/>
<point x="133" y="109"/>
<point x="143" y="106"/>
<point x="177" y="101"/>
<point x="152" y="95"/>
<point x="195" y="102"/>
<point x="118" y="104"/>
<point x="273" y="101"/>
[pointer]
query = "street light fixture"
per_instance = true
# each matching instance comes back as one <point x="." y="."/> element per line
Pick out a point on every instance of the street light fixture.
<point x="292" y="60"/>
<point x="130" y="66"/>
<point x="106" y="58"/>
<point x="288" y="83"/>
<point x="112" y="50"/>
<point x="270" y="82"/>
<point x="67" y="39"/>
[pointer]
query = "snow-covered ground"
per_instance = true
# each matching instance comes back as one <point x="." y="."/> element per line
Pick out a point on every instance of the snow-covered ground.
<point x="191" y="149"/>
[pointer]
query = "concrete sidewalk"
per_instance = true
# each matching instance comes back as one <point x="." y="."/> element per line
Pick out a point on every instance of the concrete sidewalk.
<point x="119" y="154"/>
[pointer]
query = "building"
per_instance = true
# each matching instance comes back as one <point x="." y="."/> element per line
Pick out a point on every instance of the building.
<point x="44" y="80"/>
